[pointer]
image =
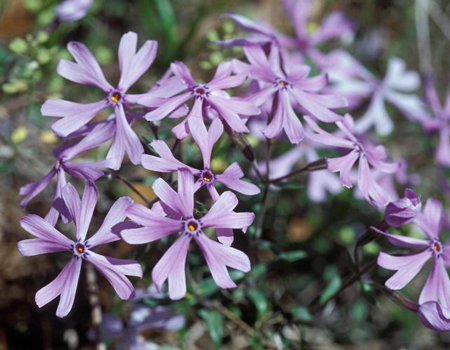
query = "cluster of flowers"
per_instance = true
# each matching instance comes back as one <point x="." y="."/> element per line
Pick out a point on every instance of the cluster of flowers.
<point x="281" y="88"/>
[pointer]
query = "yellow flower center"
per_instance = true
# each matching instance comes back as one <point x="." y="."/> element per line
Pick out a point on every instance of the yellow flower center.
<point x="80" y="248"/>
<point x="115" y="97"/>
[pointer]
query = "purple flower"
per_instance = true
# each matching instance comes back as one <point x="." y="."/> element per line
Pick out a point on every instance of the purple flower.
<point x="366" y="155"/>
<point x="285" y="87"/>
<point x="166" y="162"/>
<point x="437" y="287"/>
<point x="98" y="134"/>
<point x="404" y="210"/>
<point x="72" y="10"/>
<point x="50" y="240"/>
<point x="440" y="123"/>
<point x="172" y="265"/>
<point x="87" y="71"/>
<point x="334" y="26"/>
<point x="435" y="316"/>
<point x="210" y="100"/>
<point x="396" y="88"/>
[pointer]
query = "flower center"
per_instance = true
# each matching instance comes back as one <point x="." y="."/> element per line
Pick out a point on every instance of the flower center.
<point x="115" y="97"/>
<point x="80" y="248"/>
<point x="206" y="177"/>
<point x="436" y="247"/>
<point x="283" y="84"/>
<point x="200" y="91"/>
<point x="192" y="226"/>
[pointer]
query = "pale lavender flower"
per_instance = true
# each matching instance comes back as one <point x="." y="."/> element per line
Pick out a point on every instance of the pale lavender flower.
<point x="334" y="26"/>
<point x="98" y="134"/>
<point x="367" y="156"/>
<point x="87" y="71"/>
<point x="205" y="140"/>
<point x="439" y="123"/>
<point x="396" y="87"/>
<point x="437" y="287"/>
<point x="403" y="210"/>
<point x="172" y="265"/>
<point x="210" y="99"/>
<point x="319" y="182"/>
<point x="50" y="240"/>
<point x="142" y="318"/>
<point x="72" y="10"/>
<point x="435" y="316"/>
<point x="284" y="87"/>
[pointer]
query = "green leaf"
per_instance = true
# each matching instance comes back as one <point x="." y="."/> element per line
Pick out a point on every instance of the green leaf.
<point x="260" y="301"/>
<point x="214" y="322"/>
<point x="301" y="313"/>
<point x="332" y="287"/>
<point x="167" y="15"/>
<point x="293" y="255"/>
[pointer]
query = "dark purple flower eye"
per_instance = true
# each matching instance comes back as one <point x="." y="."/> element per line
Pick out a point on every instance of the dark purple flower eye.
<point x="80" y="248"/>
<point x="192" y="226"/>
<point x="116" y="97"/>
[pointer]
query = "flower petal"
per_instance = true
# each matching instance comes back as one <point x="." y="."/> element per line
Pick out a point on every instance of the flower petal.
<point x="172" y="266"/>
<point x="218" y="257"/>
<point x="407" y="267"/>
<point x="167" y="107"/>
<point x="221" y="214"/>
<point x="74" y="115"/>
<point x="116" y="214"/>
<point x="40" y="228"/>
<point x="133" y="65"/>
<point x="231" y="178"/>
<point x="127" y="136"/>
<point x="114" y="274"/>
<point x="37" y="246"/>
<point x="65" y="284"/>
<point x="32" y="189"/>
<point x="87" y="61"/>
<point x="437" y="287"/>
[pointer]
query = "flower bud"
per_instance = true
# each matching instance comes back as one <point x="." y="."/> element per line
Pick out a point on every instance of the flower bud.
<point x="434" y="316"/>
<point x="404" y="210"/>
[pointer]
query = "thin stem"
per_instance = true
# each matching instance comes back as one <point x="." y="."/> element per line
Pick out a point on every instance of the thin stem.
<point x="367" y="237"/>
<point x="130" y="186"/>
<point x="96" y="310"/>
<point x="313" y="166"/>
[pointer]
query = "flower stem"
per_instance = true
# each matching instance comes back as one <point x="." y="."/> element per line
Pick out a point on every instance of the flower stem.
<point x="319" y="164"/>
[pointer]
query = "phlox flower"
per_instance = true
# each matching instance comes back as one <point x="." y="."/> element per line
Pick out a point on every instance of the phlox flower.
<point x="367" y="156"/>
<point x="284" y="87"/>
<point x="98" y="133"/>
<point x="210" y="99"/>
<point x="319" y="182"/>
<point x="87" y="71"/>
<point x="172" y="265"/>
<point x="50" y="240"/>
<point x="205" y="140"/>
<point x="396" y="87"/>
<point x="440" y="122"/>
<point x="334" y="26"/>
<point x="72" y="10"/>
<point x="437" y="287"/>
